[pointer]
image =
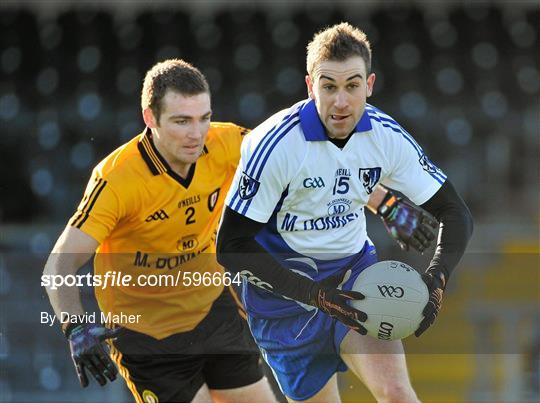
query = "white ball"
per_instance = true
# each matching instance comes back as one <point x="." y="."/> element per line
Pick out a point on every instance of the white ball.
<point x="395" y="298"/>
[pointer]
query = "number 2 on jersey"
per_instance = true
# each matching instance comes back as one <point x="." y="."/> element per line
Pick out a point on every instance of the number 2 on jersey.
<point x="190" y="212"/>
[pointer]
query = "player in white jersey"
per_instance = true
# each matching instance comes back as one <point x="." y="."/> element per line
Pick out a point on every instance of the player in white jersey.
<point x="297" y="208"/>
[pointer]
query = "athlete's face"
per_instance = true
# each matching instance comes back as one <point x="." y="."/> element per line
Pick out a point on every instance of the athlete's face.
<point x="181" y="131"/>
<point x="340" y="90"/>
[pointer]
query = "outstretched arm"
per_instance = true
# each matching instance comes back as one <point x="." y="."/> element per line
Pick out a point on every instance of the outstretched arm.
<point x="238" y="251"/>
<point x="72" y="250"/>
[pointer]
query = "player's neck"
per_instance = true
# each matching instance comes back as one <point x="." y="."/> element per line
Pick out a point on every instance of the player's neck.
<point x="178" y="167"/>
<point x="340" y="143"/>
<point x="181" y="169"/>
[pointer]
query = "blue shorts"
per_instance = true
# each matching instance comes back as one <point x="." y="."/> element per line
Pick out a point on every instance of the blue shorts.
<point x="303" y="350"/>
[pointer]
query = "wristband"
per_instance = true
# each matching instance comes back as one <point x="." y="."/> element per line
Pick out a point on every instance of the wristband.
<point x="386" y="205"/>
<point x="69" y="327"/>
<point x="439" y="275"/>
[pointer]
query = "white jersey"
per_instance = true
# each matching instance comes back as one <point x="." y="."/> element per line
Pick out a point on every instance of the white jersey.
<point x="311" y="193"/>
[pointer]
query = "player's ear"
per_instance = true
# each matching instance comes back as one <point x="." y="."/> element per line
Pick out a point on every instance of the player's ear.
<point x="309" y="84"/>
<point x="370" y="84"/>
<point x="149" y="118"/>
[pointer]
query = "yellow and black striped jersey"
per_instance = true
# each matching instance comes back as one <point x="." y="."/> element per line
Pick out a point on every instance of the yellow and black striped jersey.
<point x="150" y="221"/>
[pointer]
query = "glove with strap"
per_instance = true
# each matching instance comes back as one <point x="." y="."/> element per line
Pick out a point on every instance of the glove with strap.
<point x="435" y="280"/>
<point x="329" y="298"/>
<point x="408" y="224"/>
<point x="88" y="352"/>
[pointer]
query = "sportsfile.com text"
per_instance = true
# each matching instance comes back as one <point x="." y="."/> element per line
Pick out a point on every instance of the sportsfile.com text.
<point x="119" y="279"/>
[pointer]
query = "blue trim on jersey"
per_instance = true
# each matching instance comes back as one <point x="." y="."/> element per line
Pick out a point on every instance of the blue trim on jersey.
<point x="265" y="159"/>
<point x="269" y="236"/>
<point x="314" y="129"/>
<point x="236" y="194"/>
<point x="266" y="140"/>
<point x="439" y="176"/>
<point x="260" y="150"/>
<point x="272" y="222"/>
<point x="276" y="141"/>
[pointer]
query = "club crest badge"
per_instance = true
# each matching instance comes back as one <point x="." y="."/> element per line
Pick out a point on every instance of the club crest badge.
<point x="427" y="165"/>
<point x="369" y="178"/>
<point x="212" y="199"/>
<point x="248" y="187"/>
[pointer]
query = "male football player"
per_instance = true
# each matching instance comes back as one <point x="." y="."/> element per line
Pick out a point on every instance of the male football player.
<point x="296" y="206"/>
<point x="151" y="209"/>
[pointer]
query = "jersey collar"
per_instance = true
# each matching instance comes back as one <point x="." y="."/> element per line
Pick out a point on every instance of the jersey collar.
<point x="156" y="163"/>
<point x="313" y="128"/>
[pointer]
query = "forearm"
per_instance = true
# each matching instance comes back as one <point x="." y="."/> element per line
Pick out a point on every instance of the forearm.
<point x="72" y="250"/>
<point x="238" y="251"/>
<point x="63" y="298"/>
<point x="456" y="227"/>
<point x="376" y="198"/>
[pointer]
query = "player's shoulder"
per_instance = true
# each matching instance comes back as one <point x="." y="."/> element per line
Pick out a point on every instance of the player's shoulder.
<point x="380" y="120"/>
<point x="224" y="129"/>
<point x="282" y="130"/>
<point x="385" y="127"/>
<point x="121" y="162"/>
<point x="223" y="140"/>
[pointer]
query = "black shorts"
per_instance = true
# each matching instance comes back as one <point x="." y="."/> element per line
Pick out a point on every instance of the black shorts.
<point x="219" y="352"/>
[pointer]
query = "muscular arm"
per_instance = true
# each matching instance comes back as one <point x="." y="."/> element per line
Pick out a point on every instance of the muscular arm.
<point x="376" y="198"/>
<point x="72" y="250"/>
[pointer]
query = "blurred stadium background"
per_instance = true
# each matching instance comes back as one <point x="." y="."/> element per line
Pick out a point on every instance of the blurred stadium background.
<point x="462" y="77"/>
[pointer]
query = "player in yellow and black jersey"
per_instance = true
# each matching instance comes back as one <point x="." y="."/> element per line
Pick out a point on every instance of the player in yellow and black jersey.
<point x="150" y="210"/>
<point x="149" y="220"/>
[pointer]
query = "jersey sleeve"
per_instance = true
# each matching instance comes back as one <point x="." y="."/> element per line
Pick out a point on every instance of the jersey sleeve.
<point x="412" y="172"/>
<point x="99" y="210"/>
<point x="260" y="179"/>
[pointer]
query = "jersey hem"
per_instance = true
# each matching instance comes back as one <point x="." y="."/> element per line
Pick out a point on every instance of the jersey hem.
<point x="255" y="215"/>
<point x="426" y="195"/>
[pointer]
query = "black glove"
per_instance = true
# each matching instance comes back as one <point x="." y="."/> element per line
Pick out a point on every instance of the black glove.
<point x="408" y="224"/>
<point x="436" y="283"/>
<point x="88" y="352"/>
<point x="326" y="296"/>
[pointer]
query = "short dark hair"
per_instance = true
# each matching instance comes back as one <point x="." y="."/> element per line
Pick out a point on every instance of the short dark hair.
<point x="338" y="43"/>
<point x="174" y="74"/>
